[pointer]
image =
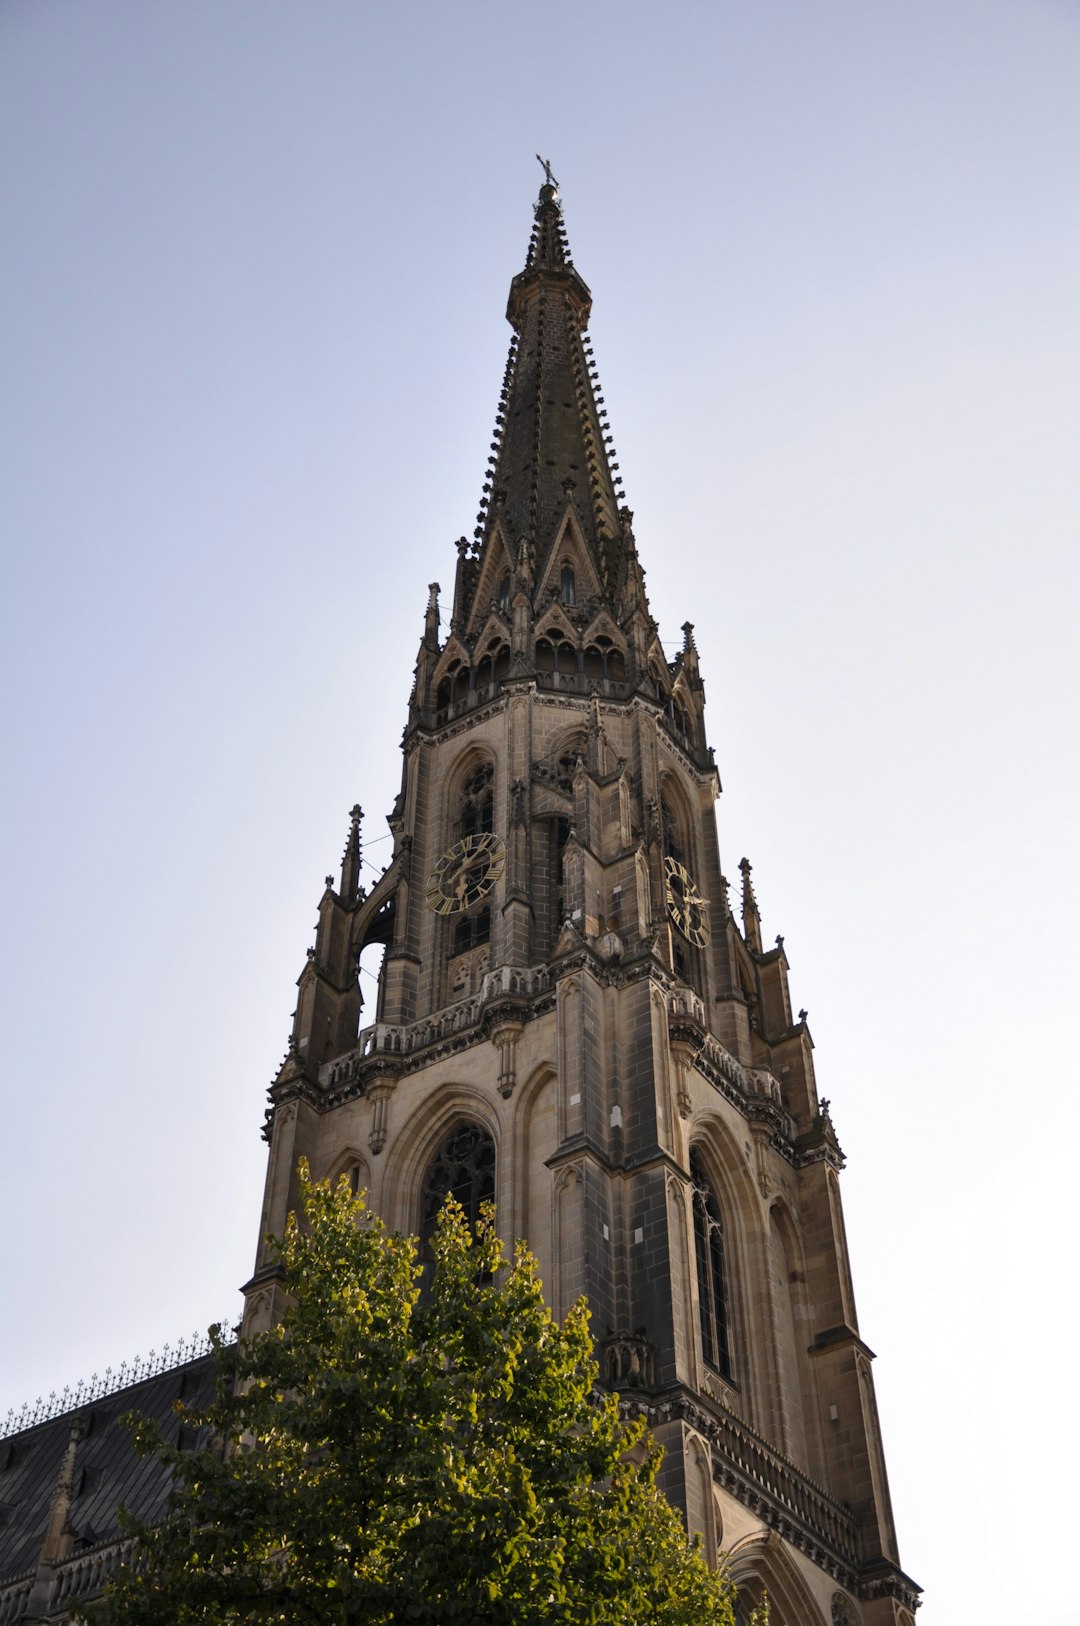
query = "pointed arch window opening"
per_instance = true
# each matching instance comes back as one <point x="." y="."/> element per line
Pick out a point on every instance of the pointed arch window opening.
<point x="566" y="765"/>
<point x="371" y="979"/>
<point x="371" y="964"/>
<point x="671" y="833"/>
<point x="472" y="931"/>
<point x="453" y="692"/>
<point x="713" y="1323"/>
<point x="476" y="808"/>
<point x="475" y="816"/>
<point x="492" y="667"/>
<point x="463" y="1168"/>
<point x="684" y="726"/>
<point x="558" y="837"/>
<point x="567" y="586"/>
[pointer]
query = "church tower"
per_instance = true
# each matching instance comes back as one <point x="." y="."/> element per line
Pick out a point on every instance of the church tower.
<point x="571" y="1018"/>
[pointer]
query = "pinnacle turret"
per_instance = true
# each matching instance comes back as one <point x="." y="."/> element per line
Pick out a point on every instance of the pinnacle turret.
<point x="352" y="858"/>
<point x="750" y="915"/>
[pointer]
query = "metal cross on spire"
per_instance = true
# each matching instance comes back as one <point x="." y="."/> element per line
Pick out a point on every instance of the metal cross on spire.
<point x="549" y="178"/>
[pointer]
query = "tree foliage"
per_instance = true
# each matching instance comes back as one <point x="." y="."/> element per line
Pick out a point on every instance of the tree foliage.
<point x="391" y="1456"/>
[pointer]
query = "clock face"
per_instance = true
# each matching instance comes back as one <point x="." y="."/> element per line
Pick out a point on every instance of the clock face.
<point x="685" y="904"/>
<point x="465" y="873"/>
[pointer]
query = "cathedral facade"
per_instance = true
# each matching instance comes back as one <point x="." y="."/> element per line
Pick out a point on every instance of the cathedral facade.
<point x="576" y="1020"/>
<point x="571" y="1020"/>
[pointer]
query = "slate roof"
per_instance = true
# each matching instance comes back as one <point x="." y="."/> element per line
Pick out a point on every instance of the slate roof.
<point x="107" y="1470"/>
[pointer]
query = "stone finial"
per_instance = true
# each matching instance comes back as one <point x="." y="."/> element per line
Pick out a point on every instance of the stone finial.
<point x="431" y="616"/>
<point x="353" y="857"/>
<point x="751" y="917"/>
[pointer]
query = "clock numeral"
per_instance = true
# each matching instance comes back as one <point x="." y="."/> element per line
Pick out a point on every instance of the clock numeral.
<point x="685" y="904"/>
<point x="465" y="873"/>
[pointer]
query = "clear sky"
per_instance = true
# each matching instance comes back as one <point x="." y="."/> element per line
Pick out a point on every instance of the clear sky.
<point x="251" y="297"/>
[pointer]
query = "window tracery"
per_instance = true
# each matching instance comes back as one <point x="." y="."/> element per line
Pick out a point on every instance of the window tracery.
<point x="476" y="808"/>
<point x="462" y="1168"/>
<point x="472" y="930"/>
<point x="671" y="833"/>
<point x="711" y="1278"/>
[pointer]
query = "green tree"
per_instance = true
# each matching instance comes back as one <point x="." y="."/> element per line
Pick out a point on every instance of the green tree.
<point x="385" y="1456"/>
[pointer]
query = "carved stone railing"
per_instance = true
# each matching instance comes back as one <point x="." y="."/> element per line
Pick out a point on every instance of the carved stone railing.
<point x="584" y="683"/>
<point x="67" y="1582"/>
<point x="742" y="1085"/>
<point x="770" y="1486"/>
<point x="14" y="1597"/>
<point x="387" y="1039"/>
<point x="85" y="1575"/>
<point x="743" y="1462"/>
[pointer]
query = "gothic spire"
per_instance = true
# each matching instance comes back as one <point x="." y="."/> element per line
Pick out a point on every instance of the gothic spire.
<point x="552" y="449"/>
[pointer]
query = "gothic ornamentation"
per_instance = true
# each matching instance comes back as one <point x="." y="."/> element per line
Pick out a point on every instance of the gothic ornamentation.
<point x="462" y="1168"/>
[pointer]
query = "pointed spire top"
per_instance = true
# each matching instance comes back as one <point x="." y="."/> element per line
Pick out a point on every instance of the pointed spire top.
<point x="751" y="917"/>
<point x="548" y="247"/>
<point x="552" y="448"/>
<point x="353" y="857"/>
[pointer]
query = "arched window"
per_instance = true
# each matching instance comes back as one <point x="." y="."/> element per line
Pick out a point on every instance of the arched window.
<point x="464" y="1168"/>
<point x="493" y="664"/>
<point x="672" y="837"/>
<point x="472" y="930"/>
<point x="558" y="836"/>
<point x="566" y="585"/>
<point x="504" y="595"/>
<point x="712" y="1285"/>
<point x="352" y="1171"/>
<point x="566" y="762"/>
<point x="673" y="848"/>
<point x="476" y="810"/>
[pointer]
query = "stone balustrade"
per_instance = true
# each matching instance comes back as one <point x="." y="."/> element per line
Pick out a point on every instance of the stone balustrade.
<point x="385" y="1039"/>
<point x="686" y="1017"/>
<point x="14" y="1597"/>
<point x="85" y="1576"/>
<point x="786" y="1498"/>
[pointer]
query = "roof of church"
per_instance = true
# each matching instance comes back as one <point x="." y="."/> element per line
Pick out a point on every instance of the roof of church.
<point x="107" y="1471"/>
<point x="552" y="451"/>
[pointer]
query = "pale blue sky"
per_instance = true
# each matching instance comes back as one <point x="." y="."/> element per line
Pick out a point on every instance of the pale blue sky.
<point x="251" y="299"/>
